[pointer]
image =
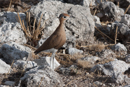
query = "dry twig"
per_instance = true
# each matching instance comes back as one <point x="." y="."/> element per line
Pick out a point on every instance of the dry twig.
<point x="127" y="9"/>
<point x="116" y="34"/>
<point x="103" y="33"/>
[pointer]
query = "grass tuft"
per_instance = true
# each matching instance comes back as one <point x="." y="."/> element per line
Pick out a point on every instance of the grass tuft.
<point x="32" y="34"/>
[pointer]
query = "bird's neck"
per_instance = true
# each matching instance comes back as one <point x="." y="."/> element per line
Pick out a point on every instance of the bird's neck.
<point x="61" y="25"/>
<point x="62" y="21"/>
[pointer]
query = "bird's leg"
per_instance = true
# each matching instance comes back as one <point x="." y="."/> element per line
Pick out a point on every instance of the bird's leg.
<point x="51" y="62"/>
<point x="52" y="59"/>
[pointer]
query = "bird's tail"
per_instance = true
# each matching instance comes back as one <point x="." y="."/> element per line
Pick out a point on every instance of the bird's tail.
<point x="36" y="52"/>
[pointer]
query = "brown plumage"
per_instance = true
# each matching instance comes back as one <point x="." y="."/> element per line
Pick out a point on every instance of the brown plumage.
<point x="57" y="39"/>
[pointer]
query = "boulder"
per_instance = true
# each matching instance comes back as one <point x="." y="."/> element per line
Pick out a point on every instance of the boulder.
<point x="41" y="76"/>
<point x="113" y="69"/>
<point x="14" y="51"/>
<point x="80" y="25"/>
<point x="110" y="11"/>
<point x="12" y="32"/>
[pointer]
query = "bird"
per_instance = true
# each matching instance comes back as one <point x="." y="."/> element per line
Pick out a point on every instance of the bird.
<point x="56" y="40"/>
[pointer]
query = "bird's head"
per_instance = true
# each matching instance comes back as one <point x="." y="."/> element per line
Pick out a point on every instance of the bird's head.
<point x="63" y="16"/>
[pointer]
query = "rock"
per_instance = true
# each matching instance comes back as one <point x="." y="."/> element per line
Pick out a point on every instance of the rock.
<point x="97" y="21"/>
<point x="10" y="83"/>
<point x="41" y="41"/>
<point x="4" y="86"/>
<point x="70" y="43"/>
<point x="13" y="16"/>
<point x="43" y="76"/>
<point x="123" y="32"/>
<point x="2" y="19"/>
<point x="127" y="80"/>
<point x="4" y="68"/>
<point x="21" y="64"/>
<point x="113" y="69"/>
<point x="73" y="69"/>
<point x="127" y="58"/>
<point x="126" y="20"/>
<point x="73" y="51"/>
<point x="81" y="2"/>
<point x="97" y="83"/>
<point x="87" y="62"/>
<point x="99" y="1"/>
<point x="12" y="32"/>
<point x="119" y="49"/>
<point x="76" y="26"/>
<point x="14" y="51"/>
<point x="110" y="11"/>
<point x="123" y="3"/>
<point x="91" y="59"/>
<point x="126" y="86"/>
<point x="46" y="61"/>
<point x="107" y="53"/>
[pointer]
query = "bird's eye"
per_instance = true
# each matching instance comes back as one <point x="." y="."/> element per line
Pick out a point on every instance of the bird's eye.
<point x="64" y="16"/>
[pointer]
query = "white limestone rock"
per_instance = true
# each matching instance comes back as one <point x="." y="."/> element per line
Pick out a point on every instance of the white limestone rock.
<point x="43" y="74"/>
<point x="21" y="64"/>
<point x="73" y="51"/>
<point x="46" y="61"/>
<point x="4" y="68"/>
<point x="12" y="32"/>
<point x="77" y="24"/>
<point x="113" y="69"/>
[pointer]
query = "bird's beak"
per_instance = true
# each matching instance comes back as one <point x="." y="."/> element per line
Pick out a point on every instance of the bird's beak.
<point x="67" y="15"/>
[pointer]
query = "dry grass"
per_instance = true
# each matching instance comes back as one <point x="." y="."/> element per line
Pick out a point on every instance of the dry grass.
<point x="84" y="64"/>
<point x="103" y="61"/>
<point x="9" y="69"/>
<point x="127" y="9"/>
<point x="10" y="5"/>
<point x="32" y="34"/>
<point x="93" y="47"/>
<point x="40" y="82"/>
<point x="116" y="34"/>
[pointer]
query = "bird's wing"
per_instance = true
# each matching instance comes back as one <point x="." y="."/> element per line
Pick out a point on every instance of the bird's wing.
<point x="52" y="42"/>
<point x="55" y="41"/>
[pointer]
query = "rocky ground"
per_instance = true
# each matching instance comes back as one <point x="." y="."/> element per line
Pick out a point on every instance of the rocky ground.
<point x="96" y="53"/>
